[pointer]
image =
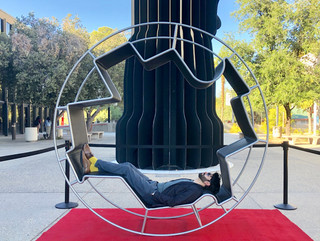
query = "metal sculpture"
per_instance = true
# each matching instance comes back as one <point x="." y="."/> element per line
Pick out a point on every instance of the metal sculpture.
<point x="226" y="66"/>
<point x="169" y="124"/>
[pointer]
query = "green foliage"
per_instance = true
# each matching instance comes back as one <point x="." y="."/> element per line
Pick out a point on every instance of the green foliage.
<point x="102" y="116"/>
<point x="273" y="116"/>
<point x="116" y="112"/>
<point x="263" y="127"/>
<point x="110" y="43"/>
<point x="5" y="51"/>
<point x="38" y="55"/>
<point x="282" y="32"/>
<point x="42" y="56"/>
<point x="6" y="70"/>
<point x="227" y="110"/>
<point x="73" y="26"/>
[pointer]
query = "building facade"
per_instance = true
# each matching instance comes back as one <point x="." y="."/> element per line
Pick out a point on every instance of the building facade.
<point x="6" y="22"/>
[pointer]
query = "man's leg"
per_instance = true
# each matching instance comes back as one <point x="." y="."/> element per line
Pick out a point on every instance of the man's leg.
<point x="141" y="183"/>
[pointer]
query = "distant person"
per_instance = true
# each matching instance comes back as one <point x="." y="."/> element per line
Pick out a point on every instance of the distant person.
<point x="37" y="123"/>
<point x="47" y="125"/>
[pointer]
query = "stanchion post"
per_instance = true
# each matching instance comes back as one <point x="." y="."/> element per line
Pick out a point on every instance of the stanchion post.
<point x="285" y="205"/>
<point x="66" y="204"/>
<point x="14" y="131"/>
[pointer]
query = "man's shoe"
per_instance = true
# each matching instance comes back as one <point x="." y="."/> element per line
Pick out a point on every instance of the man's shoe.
<point x="87" y="151"/>
<point x="85" y="162"/>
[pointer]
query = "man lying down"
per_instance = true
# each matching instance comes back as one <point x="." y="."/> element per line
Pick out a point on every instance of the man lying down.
<point x="153" y="193"/>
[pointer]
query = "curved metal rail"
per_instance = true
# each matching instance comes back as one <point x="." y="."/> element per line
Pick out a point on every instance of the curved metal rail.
<point x="198" y="83"/>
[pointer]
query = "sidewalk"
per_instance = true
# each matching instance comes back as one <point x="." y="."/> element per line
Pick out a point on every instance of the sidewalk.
<point x="32" y="186"/>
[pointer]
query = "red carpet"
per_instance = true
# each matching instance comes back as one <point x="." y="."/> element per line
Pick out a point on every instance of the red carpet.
<point x="239" y="224"/>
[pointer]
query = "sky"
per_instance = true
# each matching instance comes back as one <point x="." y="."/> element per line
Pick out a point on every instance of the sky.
<point x="97" y="13"/>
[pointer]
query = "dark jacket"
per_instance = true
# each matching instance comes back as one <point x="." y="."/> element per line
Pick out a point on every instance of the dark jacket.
<point x="180" y="193"/>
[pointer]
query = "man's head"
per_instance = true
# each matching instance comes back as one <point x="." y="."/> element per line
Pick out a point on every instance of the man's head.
<point x="205" y="177"/>
<point x="211" y="181"/>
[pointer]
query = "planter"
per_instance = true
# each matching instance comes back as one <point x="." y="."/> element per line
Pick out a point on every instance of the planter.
<point x="60" y="133"/>
<point x="31" y="134"/>
<point x="277" y="131"/>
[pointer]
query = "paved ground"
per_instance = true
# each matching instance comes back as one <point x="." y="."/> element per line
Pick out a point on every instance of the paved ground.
<point x="32" y="186"/>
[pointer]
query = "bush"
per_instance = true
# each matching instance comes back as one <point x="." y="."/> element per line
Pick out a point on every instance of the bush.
<point x="116" y="112"/>
<point x="235" y="128"/>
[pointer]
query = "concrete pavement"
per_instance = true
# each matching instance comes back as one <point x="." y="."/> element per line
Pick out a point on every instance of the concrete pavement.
<point x="32" y="186"/>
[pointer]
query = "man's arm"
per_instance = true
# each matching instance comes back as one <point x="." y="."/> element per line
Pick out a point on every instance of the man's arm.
<point x="181" y="193"/>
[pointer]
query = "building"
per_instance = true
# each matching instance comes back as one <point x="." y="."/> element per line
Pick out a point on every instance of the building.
<point x="6" y="22"/>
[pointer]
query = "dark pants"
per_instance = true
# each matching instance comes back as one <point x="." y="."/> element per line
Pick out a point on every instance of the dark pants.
<point x="139" y="182"/>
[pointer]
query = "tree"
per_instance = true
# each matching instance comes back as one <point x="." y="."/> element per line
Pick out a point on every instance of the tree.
<point x="41" y="53"/>
<point x="110" y="43"/>
<point x="94" y="87"/>
<point x="6" y="71"/>
<point x="249" y="56"/>
<point x="5" y="51"/>
<point x="42" y="56"/>
<point x="74" y="26"/>
<point x="305" y="37"/>
<point x="279" y="36"/>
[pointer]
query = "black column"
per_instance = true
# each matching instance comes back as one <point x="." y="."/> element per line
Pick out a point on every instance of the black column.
<point x="40" y="113"/>
<point x="5" y="113"/>
<point x="28" y="116"/>
<point x="21" y="119"/>
<point x="167" y="123"/>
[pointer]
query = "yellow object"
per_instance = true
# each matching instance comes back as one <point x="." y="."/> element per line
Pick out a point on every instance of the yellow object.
<point x="93" y="161"/>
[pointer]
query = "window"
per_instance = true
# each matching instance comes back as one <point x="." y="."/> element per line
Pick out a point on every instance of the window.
<point x="2" y="30"/>
<point x="8" y="28"/>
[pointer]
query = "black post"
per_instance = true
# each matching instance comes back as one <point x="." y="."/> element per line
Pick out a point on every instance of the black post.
<point x="14" y="121"/>
<point x="14" y="130"/>
<point x="66" y="204"/>
<point x="40" y="113"/>
<point x="285" y="205"/>
<point x="22" y="122"/>
<point x="109" y="114"/>
<point x="28" y="116"/>
<point x="5" y="113"/>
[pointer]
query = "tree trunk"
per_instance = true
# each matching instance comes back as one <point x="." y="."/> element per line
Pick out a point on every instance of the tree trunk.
<point x="51" y="116"/>
<point x="288" y="118"/>
<point x="89" y="122"/>
<point x="90" y="118"/>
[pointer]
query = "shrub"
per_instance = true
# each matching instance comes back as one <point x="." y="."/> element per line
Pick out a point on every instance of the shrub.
<point x="235" y="128"/>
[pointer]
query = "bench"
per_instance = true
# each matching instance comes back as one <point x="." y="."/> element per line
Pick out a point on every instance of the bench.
<point x="310" y="139"/>
<point x="97" y="134"/>
<point x="89" y="137"/>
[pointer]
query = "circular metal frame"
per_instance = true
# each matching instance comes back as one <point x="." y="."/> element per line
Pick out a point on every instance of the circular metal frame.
<point x="233" y="54"/>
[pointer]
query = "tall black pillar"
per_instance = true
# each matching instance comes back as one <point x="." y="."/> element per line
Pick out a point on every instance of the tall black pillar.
<point x="34" y="114"/>
<point x="45" y="113"/>
<point x="14" y="113"/>
<point x="21" y="119"/>
<point x="5" y="113"/>
<point x="40" y="113"/>
<point x="28" y="116"/>
<point x="167" y="123"/>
